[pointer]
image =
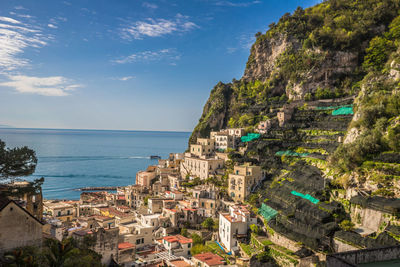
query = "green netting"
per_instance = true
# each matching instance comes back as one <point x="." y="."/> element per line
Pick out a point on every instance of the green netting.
<point x="291" y="153"/>
<point x="267" y="212"/>
<point x="333" y="107"/>
<point x="343" y="111"/>
<point x="250" y="137"/>
<point x="307" y="196"/>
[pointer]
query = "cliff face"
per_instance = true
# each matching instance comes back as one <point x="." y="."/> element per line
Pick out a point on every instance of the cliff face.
<point x="334" y="50"/>
<point x="312" y="54"/>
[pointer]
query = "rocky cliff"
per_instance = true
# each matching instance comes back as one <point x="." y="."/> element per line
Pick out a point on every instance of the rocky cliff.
<point x="334" y="50"/>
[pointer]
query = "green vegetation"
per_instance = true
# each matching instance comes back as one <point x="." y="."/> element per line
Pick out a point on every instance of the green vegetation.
<point x="347" y="225"/>
<point x="53" y="253"/>
<point x="208" y="224"/>
<point x="184" y="232"/>
<point x="16" y="162"/>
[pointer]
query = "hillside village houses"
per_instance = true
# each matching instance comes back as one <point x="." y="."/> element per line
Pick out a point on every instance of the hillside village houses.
<point x="234" y="225"/>
<point x="142" y="224"/>
<point x="243" y="180"/>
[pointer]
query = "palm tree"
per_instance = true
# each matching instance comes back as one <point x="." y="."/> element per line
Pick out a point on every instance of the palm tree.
<point x="57" y="253"/>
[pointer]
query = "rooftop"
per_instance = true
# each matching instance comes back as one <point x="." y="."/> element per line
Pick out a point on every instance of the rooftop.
<point x="209" y="258"/>
<point x="125" y="245"/>
<point x="56" y="205"/>
<point x="179" y="263"/>
<point x="177" y="238"/>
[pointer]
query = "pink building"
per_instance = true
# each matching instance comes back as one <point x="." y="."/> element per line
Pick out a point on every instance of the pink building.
<point x="144" y="178"/>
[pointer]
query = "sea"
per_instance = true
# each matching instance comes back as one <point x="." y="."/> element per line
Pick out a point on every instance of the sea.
<point x="72" y="159"/>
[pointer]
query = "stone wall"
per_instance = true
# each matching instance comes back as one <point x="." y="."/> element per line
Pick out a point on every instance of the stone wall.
<point x="18" y="228"/>
<point x="284" y="242"/>
<point x="106" y="244"/>
<point x="353" y="258"/>
<point x="340" y="246"/>
<point x="368" y="218"/>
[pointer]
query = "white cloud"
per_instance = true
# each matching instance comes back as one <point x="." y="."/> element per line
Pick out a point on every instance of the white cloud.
<point x="15" y="38"/>
<point x="52" y="26"/>
<point x="236" y="4"/>
<point x="149" y="5"/>
<point x="47" y="86"/>
<point x="157" y="27"/>
<point x="9" y="20"/>
<point x="147" y="56"/>
<point x="20" y="8"/>
<point x="126" y="78"/>
<point x="243" y="42"/>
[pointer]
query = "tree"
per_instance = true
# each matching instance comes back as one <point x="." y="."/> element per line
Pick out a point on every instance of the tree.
<point x="197" y="249"/>
<point x="264" y="257"/>
<point x="16" y="162"/>
<point x="146" y="200"/>
<point x="347" y="225"/>
<point x="184" y="232"/>
<point x="208" y="223"/>
<point x="254" y="228"/>
<point x="378" y="53"/>
<point x="197" y="240"/>
<point x="66" y="253"/>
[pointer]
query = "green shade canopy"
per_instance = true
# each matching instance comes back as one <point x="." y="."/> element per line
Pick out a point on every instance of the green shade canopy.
<point x="308" y="197"/>
<point x="267" y="212"/>
<point x="250" y="137"/>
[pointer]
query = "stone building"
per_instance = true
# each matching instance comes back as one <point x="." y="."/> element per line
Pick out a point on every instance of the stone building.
<point x="126" y="253"/>
<point x="284" y="115"/>
<point x="200" y="167"/>
<point x="234" y="225"/>
<point x="60" y="210"/>
<point x="135" y="195"/>
<point x="177" y="245"/>
<point x="264" y="126"/>
<point x="203" y="147"/>
<point x="223" y="140"/>
<point x="208" y="259"/>
<point x="237" y="132"/>
<point x="144" y="178"/>
<point x="243" y="181"/>
<point x="105" y="242"/>
<point x="27" y="196"/>
<point x="18" y="227"/>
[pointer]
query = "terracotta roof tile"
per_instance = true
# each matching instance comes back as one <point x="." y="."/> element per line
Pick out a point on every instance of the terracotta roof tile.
<point x="209" y="258"/>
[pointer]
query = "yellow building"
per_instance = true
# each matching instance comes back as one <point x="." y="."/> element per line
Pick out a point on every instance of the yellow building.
<point x="243" y="180"/>
<point x="203" y="147"/>
<point x="60" y="210"/>
<point x="200" y="167"/>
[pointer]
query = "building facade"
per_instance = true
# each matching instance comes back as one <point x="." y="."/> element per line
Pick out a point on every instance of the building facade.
<point x="243" y="180"/>
<point x="200" y="167"/>
<point x="18" y="228"/>
<point x="234" y="225"/>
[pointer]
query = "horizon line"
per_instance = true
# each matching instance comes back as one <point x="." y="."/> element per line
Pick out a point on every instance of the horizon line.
<point x="76" y="129"/>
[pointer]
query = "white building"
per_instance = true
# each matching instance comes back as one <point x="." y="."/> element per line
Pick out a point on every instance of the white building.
<point x="223" y="140"/>
<point x="238" y="132"/>
<point x="176" y="195"/>
<point x="200" y="167"/>
<point x="234" y="225"/>
<point x="137" y="234"/>
<point x="177" y="245"/>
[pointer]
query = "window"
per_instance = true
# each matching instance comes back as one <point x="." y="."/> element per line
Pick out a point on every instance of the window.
<point x="211" y="205"/>
<point x="189" y="245"/>
<point x="59" y="213"/>
<point x="142" y="240"/>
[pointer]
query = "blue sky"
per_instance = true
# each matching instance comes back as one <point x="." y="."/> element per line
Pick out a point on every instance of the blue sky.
<point x="123" y="64"/>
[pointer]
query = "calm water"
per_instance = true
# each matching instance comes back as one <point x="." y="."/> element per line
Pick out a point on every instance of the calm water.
<point x="70" y="159"/>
